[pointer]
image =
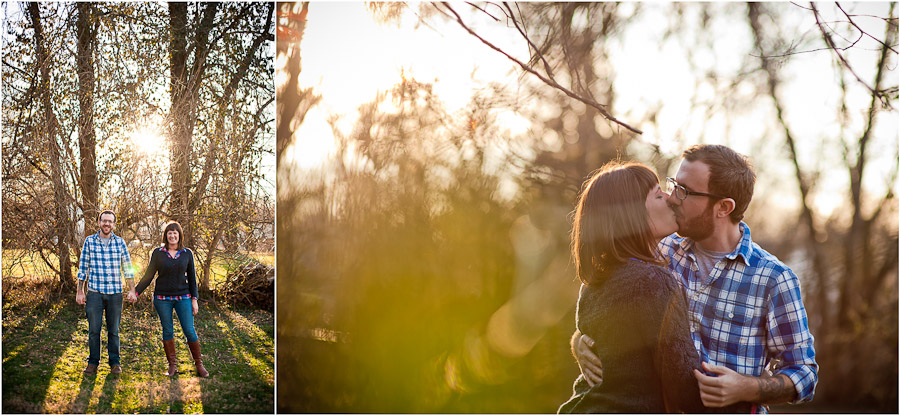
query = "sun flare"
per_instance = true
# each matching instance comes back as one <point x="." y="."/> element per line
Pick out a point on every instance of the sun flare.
<point x="148" y="141"/>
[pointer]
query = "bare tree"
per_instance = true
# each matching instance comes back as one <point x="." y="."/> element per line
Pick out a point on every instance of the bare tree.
<point x="293" y="101"/>
<point x="537" y="64"/>
<point x="186" y="81"/>
<point x="851" y="260"/>
<point x="61" y="215"/>
<point x="87" y="142"/>
<point x="53" y="185"/>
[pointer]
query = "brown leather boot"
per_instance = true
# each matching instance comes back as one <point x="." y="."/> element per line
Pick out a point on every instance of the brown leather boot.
<point x="169" y="346"/>
<point x="198" y="361"/>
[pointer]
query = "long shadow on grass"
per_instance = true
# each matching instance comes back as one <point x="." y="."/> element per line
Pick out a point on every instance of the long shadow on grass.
<point x="241" y="368"/>
<point x="176" y="395"/>
<point x="256" y="342"/>
<point x="32" y="350"/>
<point x="108" y="392"/>
<point x="83" y="400"/>
<point x="142" y="388"/>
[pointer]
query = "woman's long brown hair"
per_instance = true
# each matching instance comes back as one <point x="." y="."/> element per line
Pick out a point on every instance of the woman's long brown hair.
<point x="611" y="221"/>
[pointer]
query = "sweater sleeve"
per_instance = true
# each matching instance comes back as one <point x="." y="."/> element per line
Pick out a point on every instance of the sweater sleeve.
<point x="674" y="356"/>
<point x="149" y="273"/>
<point x="192" y="276"/>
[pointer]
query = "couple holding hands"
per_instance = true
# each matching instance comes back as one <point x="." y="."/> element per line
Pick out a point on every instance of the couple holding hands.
<point x="105" y="259"/>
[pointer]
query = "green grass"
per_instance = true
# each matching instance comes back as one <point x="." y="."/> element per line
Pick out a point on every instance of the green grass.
<point x="19" y="265"/>
<point x="45" y="349"/>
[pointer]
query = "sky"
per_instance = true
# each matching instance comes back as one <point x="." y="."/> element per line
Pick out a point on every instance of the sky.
<point x="349" y="67"/>
<point x="147" y="135"/>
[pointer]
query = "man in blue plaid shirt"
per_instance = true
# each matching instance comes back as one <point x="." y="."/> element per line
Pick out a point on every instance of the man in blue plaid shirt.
<point x="104" y="259"/>
<point x="746" y="314"/>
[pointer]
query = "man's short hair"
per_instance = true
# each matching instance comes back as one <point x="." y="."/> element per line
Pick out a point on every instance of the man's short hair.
<point x="107" y="212"/>
<point x="730" y="174"/>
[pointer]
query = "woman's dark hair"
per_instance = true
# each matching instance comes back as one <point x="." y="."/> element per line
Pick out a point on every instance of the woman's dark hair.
<point x="611" y="221"/>
<point x="173" y="226"/>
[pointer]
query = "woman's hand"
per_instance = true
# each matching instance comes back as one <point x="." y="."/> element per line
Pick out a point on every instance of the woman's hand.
<point x="587" y="359"/>
<point x="195" y="306"/>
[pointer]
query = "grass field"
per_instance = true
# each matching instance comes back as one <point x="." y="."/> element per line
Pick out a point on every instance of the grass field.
<point x="45" y="350"/>
<point x="21" y="264"/>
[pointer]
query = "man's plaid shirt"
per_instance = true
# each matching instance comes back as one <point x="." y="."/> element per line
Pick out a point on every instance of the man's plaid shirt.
<point x="103" y="264"/>
<point x="747" y="313"/>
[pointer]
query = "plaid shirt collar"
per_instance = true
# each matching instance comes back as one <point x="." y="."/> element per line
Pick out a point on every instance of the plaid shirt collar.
<point x="744" y="248"/>
<point x="112" y="235"/>
<point x="164" y="249"/>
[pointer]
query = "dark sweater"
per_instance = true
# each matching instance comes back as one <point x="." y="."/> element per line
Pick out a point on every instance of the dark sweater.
<point x="640" y="325"/>
<point x="176" y="276"/>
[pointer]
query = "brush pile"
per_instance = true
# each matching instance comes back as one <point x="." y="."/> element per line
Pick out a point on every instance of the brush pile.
<point x="251" y="284"/>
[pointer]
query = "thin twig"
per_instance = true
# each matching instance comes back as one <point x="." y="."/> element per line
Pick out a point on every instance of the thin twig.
<point x="483" y="11"/>
<point x="862" y="32"/>
<point x="550" y="82"/>
<point x="831" y="45"/>
<point x="530" y="43"/>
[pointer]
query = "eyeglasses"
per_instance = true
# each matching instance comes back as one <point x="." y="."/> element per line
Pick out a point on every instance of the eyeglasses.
<point x="682" y="193"/>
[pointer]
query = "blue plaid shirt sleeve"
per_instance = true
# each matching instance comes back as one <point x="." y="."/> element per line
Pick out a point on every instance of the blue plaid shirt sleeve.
<point x="127" y="269"/>
<point x="790" y="342"/>
<point x="84" y="261"/>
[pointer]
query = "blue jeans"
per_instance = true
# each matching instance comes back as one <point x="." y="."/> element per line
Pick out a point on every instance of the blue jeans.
<point x="96" y="306"/>
<point x="185" y="313"/>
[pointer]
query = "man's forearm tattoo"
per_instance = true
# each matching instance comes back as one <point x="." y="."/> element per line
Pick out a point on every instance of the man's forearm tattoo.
<point x="773" y="389"/>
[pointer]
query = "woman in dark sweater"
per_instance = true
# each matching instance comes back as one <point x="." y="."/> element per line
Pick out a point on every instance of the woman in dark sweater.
<point x="629" y="300"/>
<point x="176" y="290"/>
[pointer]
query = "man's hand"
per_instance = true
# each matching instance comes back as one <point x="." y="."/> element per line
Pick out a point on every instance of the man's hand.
<point x="132" y="296"/>
<point x="729" y="387"/>
<point x="591" y="367"/>
<point x="195" y="306"/>
<point x="79" y="297"/>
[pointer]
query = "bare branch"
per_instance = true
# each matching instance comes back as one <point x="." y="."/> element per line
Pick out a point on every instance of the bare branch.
<point x="830" y="42"/>
<point x="862" y="32"/>
<point x="599" y="107"/>
<point x="802" y="7"/>
<point x="530" y="43"/>
<point x="496" y="19"/>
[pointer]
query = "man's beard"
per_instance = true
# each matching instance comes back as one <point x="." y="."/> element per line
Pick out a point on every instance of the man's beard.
<point x="699" y="227"/>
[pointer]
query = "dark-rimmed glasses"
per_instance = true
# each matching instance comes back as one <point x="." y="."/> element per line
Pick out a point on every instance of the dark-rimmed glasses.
<point x="682" y="193"/>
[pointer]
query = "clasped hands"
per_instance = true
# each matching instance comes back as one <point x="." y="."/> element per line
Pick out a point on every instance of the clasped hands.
<point x="133" y="297"/>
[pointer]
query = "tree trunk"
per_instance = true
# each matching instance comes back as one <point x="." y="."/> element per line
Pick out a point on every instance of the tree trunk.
<point x="184" y="88"/>
<point x="90" y="184"/>
<point x="290" y="96"/>
<point x="62" y="222"/>
<point x="182" y="119"/>
<point x="207" y="262"/>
